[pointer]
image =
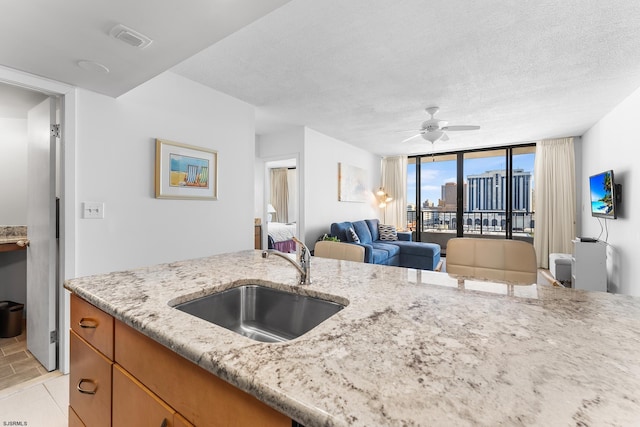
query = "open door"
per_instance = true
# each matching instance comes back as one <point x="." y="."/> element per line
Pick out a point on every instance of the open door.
<point x="41" y="224"/>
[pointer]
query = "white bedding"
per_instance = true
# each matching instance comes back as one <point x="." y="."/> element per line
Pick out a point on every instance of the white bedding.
<point x="280" y="232"/>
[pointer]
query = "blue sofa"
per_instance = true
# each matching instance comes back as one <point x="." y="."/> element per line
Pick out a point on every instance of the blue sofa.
<point x="402" y="252"/>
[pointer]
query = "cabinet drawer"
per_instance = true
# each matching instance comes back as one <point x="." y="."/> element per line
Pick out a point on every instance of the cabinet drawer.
<point x="93" y="325"/>
<point x="201" y="397"/>
<point x="89" y="383"/>
<point x="135" y="405"/>
<point x="74" y="420"/>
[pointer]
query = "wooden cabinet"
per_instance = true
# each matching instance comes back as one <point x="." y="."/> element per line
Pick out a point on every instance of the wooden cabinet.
<point x="74" y="419"/>
<point x="199" y="396"/>
<point x="93" y="325"/>
<point x="89" y="383"/>
<point x="135" y="405"/>
<point x="143" y="383"/>
<point x="257" y="235"/>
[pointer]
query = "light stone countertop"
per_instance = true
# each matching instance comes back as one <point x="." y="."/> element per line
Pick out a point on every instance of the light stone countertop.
<point x="12" y="233"/>
<point x="410" y="349"/>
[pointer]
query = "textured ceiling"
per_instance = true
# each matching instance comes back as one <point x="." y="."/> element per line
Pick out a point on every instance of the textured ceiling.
<point x="362" y="71"/>
<point x="48" y="38"/>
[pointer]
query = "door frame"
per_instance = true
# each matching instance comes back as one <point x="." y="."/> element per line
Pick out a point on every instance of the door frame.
<point x="267" y="194"/>
<point x="67" y="242"/>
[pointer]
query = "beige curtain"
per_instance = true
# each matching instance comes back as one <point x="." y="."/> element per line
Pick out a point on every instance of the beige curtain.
<point x="394" y="182"/>
<point x="555" y="198"/>
<point x="280" y="194"/>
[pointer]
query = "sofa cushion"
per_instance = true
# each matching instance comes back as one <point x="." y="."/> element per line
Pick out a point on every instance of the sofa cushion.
<point x="339" y="229"/>
<point x="384" y="252"/>
<point x="388" y="232"/>
<point x="373" y="228"/>
<point x="362" y="229"/>
<point x="391" y="249"/>
<point x="352" y="236"/>
<point x="418" y="248"/>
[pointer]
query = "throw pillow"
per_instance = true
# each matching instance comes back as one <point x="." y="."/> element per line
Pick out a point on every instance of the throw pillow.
<point x="354" y="236"/>
<point x="387" y="232"/>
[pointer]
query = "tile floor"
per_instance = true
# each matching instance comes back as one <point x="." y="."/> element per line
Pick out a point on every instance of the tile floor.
<point x="17" y="364"/>
<point x="43" y="401"/>
<point x="29" y="395"/>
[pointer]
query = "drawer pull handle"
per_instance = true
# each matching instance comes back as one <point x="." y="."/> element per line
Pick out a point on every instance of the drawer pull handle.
<point x="85" y="391"/>
<point x="164" y="423"/>
<point x="88" y="323"/>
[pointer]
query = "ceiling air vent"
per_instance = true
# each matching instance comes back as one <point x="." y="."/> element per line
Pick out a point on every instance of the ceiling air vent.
<point x="130" y="37"/>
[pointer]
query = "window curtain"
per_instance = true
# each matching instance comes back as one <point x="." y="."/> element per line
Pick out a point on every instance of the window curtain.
<point x="280" y="194"/>
<point x="555" y="198"/>
<point x="394" y="182"/>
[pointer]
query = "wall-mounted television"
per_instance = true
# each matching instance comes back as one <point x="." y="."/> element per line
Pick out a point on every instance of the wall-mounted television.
<point x="604" y="200"/>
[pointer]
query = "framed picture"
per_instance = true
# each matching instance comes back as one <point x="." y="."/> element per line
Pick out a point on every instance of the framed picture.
<point x="352" y="183"/>
<point x="185" y="172"/>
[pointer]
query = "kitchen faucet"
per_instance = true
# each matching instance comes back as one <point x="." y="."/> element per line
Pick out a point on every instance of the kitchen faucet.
<point x="303" y="265"/>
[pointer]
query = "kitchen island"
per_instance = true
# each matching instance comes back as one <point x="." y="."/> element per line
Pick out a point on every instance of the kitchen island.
<point x="410" y="348"/>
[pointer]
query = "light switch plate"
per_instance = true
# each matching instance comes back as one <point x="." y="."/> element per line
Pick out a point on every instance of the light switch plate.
<point x="93" y="210"/>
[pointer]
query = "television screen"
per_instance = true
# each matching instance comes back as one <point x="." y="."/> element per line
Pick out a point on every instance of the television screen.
<point x="603" y="200"/>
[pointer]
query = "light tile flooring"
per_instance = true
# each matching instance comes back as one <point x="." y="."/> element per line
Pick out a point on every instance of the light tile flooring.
<point x="29" y="395"/>
<point x="43" y="401"/>
<point x="17" y="364"/>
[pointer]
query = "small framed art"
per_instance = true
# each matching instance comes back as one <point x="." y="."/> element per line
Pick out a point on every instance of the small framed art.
<point x="185" y="171"/>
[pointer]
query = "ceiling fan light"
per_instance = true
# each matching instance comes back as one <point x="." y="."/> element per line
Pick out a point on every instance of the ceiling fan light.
<point x="432" y="136"/>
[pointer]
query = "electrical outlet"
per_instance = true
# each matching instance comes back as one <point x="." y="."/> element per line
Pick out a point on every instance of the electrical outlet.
<point x="93" y="210"/>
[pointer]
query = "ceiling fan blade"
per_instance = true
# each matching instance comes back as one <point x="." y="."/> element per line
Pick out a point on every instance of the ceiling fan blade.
<point x="411" y="137"/>
<point x="455" y="128"/>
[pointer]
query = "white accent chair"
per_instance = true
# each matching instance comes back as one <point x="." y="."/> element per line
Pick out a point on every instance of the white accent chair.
<point x="339" y="250"/>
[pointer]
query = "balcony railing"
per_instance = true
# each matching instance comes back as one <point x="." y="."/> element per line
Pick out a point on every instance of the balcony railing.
<point x="474" y="222"/>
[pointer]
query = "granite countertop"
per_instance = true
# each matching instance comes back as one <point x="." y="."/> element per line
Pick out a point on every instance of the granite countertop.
<point x="410" y="348"/>
<point x="12" y="233"/>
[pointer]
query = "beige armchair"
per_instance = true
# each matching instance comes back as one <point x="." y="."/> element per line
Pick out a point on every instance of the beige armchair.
<point x="339" y="250"/>
<point x="510" y="261"/>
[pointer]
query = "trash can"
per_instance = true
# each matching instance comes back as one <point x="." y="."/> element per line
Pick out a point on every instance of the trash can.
<point x="10" y="319"/>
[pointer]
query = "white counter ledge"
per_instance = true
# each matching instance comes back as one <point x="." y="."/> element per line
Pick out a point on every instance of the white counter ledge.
<point x="410" y="348"/>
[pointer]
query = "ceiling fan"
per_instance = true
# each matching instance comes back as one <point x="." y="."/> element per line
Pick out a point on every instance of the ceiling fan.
<point x="435" y="129"/>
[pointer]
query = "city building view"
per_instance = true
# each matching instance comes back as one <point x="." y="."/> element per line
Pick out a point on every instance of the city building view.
<point x="484" y="196"/>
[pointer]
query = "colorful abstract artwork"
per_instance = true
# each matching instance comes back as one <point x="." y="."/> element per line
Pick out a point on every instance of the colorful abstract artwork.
<point x="352" y="183"/>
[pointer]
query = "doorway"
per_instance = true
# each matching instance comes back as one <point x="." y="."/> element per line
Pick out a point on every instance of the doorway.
<point x="21" y="93"/>
<point x="281" y="212"/>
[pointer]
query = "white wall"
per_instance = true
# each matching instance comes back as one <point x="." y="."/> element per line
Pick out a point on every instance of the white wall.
<point x="318" y="158"/>
<point x="322" y="155"/>
<point x="610" y="144"/>
<point x="13" y="171"/>
<point x="115" y="158"/>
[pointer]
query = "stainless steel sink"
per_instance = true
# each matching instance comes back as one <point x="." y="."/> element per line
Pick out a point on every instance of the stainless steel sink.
<point x="262" y="313"/>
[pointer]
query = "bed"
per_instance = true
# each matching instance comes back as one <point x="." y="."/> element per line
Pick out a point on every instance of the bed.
<point x="280" y="236"/>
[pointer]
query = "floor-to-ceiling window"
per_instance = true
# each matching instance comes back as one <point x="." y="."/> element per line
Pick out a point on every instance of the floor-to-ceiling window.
<point x="487" y="193"/>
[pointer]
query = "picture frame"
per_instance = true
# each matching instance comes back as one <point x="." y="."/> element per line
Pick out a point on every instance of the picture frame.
<point x="352" y="183"/>
<point x="185" y="171"/>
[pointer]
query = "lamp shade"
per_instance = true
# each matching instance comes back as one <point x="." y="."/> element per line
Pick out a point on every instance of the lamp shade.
<point x="271" y="209"/>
